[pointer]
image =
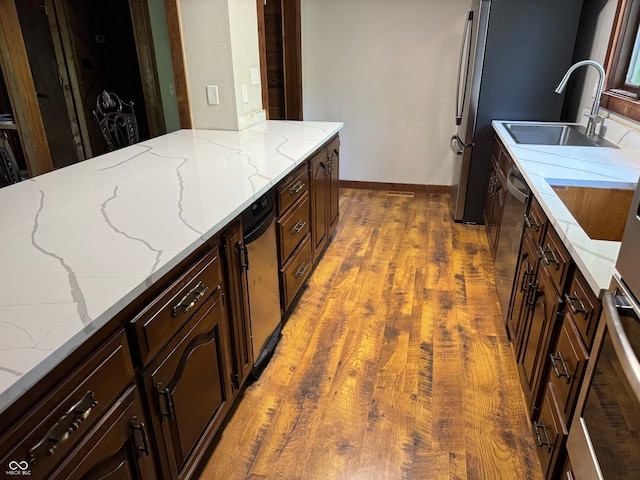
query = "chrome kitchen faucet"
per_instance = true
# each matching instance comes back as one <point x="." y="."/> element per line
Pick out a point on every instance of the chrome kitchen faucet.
<point x="594" y="118"/>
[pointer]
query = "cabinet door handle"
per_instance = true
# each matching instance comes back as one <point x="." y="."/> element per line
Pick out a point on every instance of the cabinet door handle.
<point x="298" y="227"/>
<point x="296" y="188"/>
<point x="196" y="294"/>
<point x="554" y="364"/>
<point x="547" y="252"/>
<point x="537" y="426"/>
<point x="166" y="403"/>
<point x="140" y="438"/>
<point x="301" y="270"/>
<point x="531" y="294"/>
<point x="243" y="252"/>
<point x="580" y="308"/>
<point x="68" y="423"/>
<point x="531" y="222"/>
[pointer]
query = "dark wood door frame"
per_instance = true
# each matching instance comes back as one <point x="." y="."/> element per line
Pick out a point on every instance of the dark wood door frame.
<point x="19" y="82"/>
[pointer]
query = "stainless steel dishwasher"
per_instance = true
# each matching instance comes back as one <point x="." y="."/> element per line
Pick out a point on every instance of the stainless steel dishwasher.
<point x="511" y="231"/>
<point x="259" y="232"/>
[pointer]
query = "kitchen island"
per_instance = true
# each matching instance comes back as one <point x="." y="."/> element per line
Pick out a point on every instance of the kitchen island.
<point x="79" y="244"/>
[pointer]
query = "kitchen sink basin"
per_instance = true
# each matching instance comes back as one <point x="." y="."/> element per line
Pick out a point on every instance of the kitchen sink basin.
<point x="554" y="134"/>
<point x="601" y="208"/>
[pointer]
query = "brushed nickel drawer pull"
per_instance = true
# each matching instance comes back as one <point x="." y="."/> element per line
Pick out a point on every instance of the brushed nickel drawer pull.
<point x="184" y="305"/>
<point x="541" y="443"/>
<point x="548" y="252"/>
<point x="301" y="270"/>
<point x="576" y="310"/>
<point x="68" y="423"/>
<point x="554" y="364"/>
<point x="140" y="438"/>
<point x="297" y="187"/>
<point x="298" y="227"/>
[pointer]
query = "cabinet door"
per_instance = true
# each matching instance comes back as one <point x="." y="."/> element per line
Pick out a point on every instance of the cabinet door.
<point x="525" y="276"/>
<point x="318" y="201"/>
<point x="333" y="153"/>
<point x="118" y="448"/>
<point x="491" y="206"/>
<point x="543" y="310"/>
<point x="188" y="387"/>
<point x="238" y="304"/>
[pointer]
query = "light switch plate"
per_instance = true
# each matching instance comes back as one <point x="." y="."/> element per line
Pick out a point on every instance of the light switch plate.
<point x="255" y="76"/>
<point x="212" y="95"/>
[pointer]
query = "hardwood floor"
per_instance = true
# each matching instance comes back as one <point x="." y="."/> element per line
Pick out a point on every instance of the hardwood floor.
<point x="394" y="365"/>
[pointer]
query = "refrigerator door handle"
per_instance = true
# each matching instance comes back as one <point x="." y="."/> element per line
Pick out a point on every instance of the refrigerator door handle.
<point x="465" y="47"/>
<point x="455" y="144"/>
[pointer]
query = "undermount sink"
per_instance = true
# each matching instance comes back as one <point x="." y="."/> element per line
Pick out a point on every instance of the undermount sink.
<point x="601" y="208"/>
<point x="554" y="134"/>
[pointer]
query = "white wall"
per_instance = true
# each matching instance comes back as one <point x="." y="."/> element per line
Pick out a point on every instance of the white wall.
<point x="221" y="44"/>
<point x="387" y="69"/>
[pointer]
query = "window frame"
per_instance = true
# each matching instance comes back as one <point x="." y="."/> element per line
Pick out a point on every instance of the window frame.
<point x="618" y="96"/>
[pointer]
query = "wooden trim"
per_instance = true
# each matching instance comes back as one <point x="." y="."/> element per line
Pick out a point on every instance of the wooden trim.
<point x="141" y="23"/>
<point x="292" y="58"/>
<point x="172" y="10"/>
<point x="262" y="48"/>
<point x="400" y="188"/>
<point x="22" y="91"/>
<point x="627" y="10"/>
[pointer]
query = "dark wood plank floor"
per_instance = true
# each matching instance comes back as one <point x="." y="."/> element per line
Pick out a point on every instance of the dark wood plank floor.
<point x="394" y="365"/>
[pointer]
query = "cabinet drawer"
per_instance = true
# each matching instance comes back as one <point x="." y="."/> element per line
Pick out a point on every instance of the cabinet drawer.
<point x="292" y="187"/>
<point x="295" y="271"/>
<point x="60" y="421"/>
<point x="555" y="256"/>
<point x="293" y="226"/>
<point x="504" y="161"/>
<point x="550" y="432"/>
<point x="584" y="307"/>
<point x="567" y="362"/>
<point x="536" y="221"/>
<point x="155" y="326"/>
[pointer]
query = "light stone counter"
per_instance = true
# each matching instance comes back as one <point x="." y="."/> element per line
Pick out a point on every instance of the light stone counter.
<point x="80" y="243"/>
<point x="543" y="165"/>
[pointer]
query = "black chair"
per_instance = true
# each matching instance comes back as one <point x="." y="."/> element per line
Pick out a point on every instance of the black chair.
<point x="9" y="172"/>
<point x="117" y="121"/>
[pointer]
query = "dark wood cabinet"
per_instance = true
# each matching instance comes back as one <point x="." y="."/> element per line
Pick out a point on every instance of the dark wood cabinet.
<point x="119" y="446"/>
<point x="526" y="271"/>
<point x="235" y="262"/>
<point x="325" y="194"/>
<point x="543" y="307"/>
<point x="494" y="204"/>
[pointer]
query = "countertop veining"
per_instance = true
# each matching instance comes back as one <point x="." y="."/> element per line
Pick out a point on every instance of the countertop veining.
<point x="544" y="165"/>
<point x="80" y="243"/>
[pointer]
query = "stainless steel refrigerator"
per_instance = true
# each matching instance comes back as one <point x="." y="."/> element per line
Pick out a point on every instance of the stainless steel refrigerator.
<point x="513" y="53"/>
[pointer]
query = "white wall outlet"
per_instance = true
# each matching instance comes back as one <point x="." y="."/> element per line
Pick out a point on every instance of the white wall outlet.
<point x="255" y="76"/>
<point x="212" y="95"/>
<point x="172" y="89"/>
<point x="245" y="94"/>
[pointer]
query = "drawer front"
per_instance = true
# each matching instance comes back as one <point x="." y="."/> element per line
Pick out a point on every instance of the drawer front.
<point x="159" y="322"/>
<point x="497" y="145"/>
<point x="295" y="271"/>
<point x="536" y="221"/>
<point x="59" y="422"/>
<point x="293" y="226"/>
<point x="292" y="187"/>
<point x="584" y="308"/>
<point x="555" y="256"/>
<point x="567" y="363"/>
<point x="550" y="432"/>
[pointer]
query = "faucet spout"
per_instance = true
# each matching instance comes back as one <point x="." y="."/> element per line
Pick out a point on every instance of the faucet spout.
<point x="593" y="116"/>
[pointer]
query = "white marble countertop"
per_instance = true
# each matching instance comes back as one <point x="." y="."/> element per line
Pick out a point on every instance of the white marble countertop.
<point x="80" y="243"/>
<point x="543" y="165"/>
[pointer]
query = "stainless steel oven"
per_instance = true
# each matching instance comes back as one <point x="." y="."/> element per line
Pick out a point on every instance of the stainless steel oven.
<point x="604" y="440"/>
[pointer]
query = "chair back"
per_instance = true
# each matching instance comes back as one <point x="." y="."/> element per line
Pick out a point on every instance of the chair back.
<point x="9" y="171"/>
<point x="116" y="119"/>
